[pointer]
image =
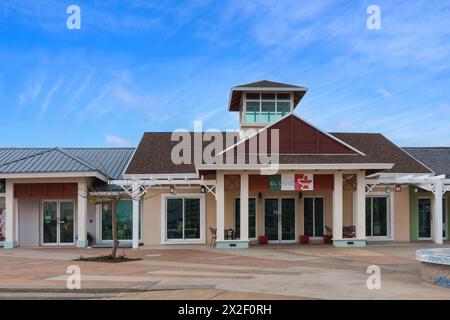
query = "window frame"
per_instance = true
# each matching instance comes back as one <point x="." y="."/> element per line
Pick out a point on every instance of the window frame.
<point x="389" y="218"/>
<point x="260" y="102"/>
<point x="164" y="198"/>
<point x="99" y="229"/>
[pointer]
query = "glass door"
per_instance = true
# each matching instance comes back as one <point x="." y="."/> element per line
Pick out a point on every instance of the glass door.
<point x="424" y="213"/>
<point x="279" y="219"/>
<point x="66" y="225"/>
<point x="271" y="219"/>
<point x="50" y="222"/>
<point x="287" y="219"/>
<point x="314" y="212"/>
<point x="377" y="217"/>
<point x="57" y="222"/>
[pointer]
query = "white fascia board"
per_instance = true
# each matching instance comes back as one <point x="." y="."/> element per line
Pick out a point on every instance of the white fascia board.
<point x="160" y="176"/>
<point x="277" y="89"/>
<point x="271" y="89"/>
<point x="38" y="175"/>
<point x="311" y="166"/>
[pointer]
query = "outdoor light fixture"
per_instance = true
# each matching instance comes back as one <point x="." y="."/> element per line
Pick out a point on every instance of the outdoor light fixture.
<point x="416" y="190"/>
<point x="260" y="197"/>
<point x="173" y="190"/>
<point x="300" y="197"/>
<point x="388" y="189"/>
<point x="202" y="189"/>
<point x="398" y="188"/>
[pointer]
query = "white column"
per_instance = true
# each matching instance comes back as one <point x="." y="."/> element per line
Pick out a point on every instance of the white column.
<point x="337" y="206"/>
<point x="437" y="214"/>
<point x="220" y="205"/>
<point x="82" y="201"/>
<point x="136" y="217"/>
<point x="11" y="212"/>
<point x="244" y="207"/>
<point x="360" y="215"/>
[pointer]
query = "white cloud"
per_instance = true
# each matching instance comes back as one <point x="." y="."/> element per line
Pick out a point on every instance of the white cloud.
<point x="117" y="141"/>
<point x="49" y="96"/>
<point x="31" y="93"/>
<point x="385" y="93"/>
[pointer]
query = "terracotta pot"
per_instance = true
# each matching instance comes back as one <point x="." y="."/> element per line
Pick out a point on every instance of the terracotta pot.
<point x="303" y="239"/>
<point x="263" y="240"/>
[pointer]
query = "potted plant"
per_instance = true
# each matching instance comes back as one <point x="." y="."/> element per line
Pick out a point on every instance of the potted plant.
<point x="263" y="239"/>
<point x="304" y="239"/>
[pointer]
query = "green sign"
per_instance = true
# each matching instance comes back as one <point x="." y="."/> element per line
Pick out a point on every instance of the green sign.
<point x="275" y="182"/>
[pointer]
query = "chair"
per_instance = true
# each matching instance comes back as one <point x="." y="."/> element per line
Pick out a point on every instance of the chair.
<point x="230" y="234"/>
<point x="213" y="236"/>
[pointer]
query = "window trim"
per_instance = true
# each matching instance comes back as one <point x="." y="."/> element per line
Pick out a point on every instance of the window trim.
<point x="163" y="213"/>
<point x="256" y="217"/>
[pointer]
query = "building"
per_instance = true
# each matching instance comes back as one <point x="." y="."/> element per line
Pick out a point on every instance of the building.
<point x="279" y="177"/>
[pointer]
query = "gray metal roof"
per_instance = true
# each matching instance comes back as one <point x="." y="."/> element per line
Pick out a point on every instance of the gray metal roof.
<point x="110" y="162"/>
<point x="437" y="158"/>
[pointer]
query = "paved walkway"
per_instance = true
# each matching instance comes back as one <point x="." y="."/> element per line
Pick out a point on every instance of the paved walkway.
<point x="200" y="272"/>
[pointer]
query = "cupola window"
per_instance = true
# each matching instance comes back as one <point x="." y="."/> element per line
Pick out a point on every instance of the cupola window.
<point x="266" y="107"/>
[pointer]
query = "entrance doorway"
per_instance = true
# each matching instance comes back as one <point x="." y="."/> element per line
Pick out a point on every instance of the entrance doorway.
<point x="279" y="219"/>
<point x="58" y="222"/>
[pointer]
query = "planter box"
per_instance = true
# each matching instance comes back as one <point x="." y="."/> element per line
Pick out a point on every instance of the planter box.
<point x="303" y="239"/>
<point x="263" y="240"/>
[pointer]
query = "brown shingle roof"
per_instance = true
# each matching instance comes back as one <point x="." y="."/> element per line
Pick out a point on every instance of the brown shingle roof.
<point x="268" y="84"/>
<point x="153" y="155"/>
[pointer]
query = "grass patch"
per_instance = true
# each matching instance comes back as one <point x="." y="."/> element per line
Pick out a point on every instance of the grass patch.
<point x="107" y="259"/>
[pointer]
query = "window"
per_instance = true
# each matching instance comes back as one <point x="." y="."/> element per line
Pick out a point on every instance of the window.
<point x="2" y="186"/>
<point x="266" y="107"/>
<point x="183" y="218"/>
<point x="124" y="221"/>
<point x="251" y="217"/>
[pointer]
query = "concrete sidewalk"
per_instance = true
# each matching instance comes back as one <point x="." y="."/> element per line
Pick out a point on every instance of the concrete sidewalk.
<point x="302" y="272"/>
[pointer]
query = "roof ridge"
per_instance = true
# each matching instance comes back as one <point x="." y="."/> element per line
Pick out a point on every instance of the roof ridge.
<point x="76" y="158"/>
<point x="28" y="156"/>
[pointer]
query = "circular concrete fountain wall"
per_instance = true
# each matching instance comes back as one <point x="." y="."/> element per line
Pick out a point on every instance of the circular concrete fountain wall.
<point x="435" y="266"/>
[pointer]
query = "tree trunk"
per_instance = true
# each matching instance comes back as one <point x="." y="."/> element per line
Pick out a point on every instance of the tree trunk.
<point x="114" y="229"/>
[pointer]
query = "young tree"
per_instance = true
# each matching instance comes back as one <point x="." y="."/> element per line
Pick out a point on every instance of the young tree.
<point x="111" y="197"/>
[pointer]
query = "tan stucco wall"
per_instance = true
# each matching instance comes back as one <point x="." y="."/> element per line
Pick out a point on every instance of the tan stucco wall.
<point x="151" y="217"/>
<point x="401" y="215"/>
<point x="152" y="211"/>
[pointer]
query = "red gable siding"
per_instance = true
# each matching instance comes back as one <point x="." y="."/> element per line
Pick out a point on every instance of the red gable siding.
<point x="298" y="137"/>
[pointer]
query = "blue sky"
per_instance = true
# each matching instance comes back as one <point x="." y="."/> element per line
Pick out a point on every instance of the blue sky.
<point x="140" y="65"/>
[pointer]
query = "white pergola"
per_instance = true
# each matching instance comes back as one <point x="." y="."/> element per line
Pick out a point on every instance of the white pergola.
<point x="136" y="188"/>
<point x="438" y="185"/>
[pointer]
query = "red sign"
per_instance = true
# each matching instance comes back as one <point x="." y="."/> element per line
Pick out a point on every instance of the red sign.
<point x="304" y="182"/>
